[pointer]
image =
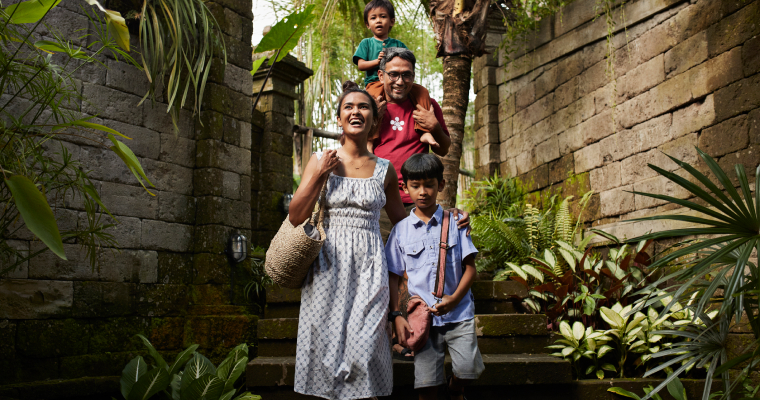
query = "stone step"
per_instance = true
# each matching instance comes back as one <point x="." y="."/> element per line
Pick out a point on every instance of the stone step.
<point x="563" y="391"/>
<point x="501" y="370"/>
<point x="497" y="333"/>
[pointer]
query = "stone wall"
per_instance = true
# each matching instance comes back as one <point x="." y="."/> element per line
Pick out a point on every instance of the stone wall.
<point x="67" y="329"/>
<point x="685" y="75"/>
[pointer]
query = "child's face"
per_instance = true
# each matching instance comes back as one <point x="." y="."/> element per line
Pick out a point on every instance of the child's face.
<point x="380" y="22"/>
<point x="424" y="192"/>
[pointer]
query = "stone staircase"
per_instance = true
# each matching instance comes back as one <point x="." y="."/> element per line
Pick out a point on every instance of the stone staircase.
<point x="513" y="346"/>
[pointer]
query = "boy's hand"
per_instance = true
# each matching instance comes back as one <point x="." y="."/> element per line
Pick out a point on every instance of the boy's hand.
<point x="381" y="107"/>
<point x="380" y="56"/>
<point x="403" y="330"/>
<point x="447" y="304"/>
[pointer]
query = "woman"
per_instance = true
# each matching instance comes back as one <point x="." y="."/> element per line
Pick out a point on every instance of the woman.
<point x="343" y="346"/>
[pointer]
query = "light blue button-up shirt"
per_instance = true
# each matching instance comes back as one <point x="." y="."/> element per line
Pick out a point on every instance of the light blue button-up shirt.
<point x="413" y="247"/>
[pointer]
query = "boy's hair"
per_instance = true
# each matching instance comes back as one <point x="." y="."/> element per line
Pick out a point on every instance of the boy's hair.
<point x="422" y="166"/>
<point x="379" y="4"/>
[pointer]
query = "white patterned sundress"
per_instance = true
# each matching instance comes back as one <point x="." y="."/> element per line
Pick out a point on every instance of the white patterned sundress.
<point x="343" y="347"/>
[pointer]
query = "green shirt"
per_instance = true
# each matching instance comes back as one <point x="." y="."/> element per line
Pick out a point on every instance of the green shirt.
<point x="369" y="49"/>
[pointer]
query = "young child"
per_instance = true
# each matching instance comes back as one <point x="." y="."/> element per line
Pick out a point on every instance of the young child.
<point x="379" y="17"/>
<point x="413" y="246"/>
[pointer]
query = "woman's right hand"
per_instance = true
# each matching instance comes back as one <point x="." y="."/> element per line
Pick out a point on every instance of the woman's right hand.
<point x="327" y="163"/>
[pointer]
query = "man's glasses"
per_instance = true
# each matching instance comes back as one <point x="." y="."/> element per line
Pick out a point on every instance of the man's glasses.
<point x="406" y="76"/>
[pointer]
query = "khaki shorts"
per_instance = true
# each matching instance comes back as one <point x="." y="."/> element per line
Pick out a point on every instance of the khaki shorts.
<point x="466" y="361"/>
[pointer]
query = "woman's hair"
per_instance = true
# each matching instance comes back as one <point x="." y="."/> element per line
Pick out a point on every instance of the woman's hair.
<point x="351" y="87"/>
<point x="422" y="166"/>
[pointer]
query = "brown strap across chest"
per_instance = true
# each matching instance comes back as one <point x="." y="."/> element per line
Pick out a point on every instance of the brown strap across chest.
<point x="440" y="276"/>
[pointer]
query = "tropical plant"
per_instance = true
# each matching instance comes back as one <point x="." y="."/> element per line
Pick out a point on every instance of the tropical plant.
<point x="178" y="40"/>
<point x="282" y="38"/>
<point x="190" y="376"/>
<point x="496" y="197"/>
<point x="580" y="341"/>
<point x="718" y="271"/>
<point x="259" y="279"/>
<point x="675" y="388"/>
<point x="36" y="118"/>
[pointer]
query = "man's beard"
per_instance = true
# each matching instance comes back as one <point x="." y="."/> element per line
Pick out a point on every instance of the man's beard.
<point x="396" y="97"/>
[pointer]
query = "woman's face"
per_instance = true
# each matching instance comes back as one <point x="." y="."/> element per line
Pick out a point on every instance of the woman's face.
<point x="356" y="114"/>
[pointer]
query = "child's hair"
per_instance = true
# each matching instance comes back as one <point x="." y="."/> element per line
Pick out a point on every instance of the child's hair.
<point x="379" y="4"/>
<point x="352" y="87"/>
<point x="422" y="166"/>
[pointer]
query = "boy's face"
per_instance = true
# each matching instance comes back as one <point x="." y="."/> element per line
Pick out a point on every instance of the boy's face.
<point x="424" y="192"/>
<point x="380" y="22"/>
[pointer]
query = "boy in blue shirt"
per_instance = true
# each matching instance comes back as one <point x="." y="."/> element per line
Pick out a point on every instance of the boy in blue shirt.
<point x="413" y="248"/>
<point x="379" y="17"/>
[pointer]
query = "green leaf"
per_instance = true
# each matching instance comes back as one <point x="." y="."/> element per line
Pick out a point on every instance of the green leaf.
<point x="129" y="158"/>
<point x="90" y="125"/>
<point x="609" y="367"/>
<point x="612" y="318"/>
<point x="117" y="27"/>
<point x="549" y="257"/>
<point x="228" y="395"/>
<point x="131" y="374"/>
<point x="208" y="386"/>
<point x="676" y="389"/>
<point x="36" y="212"/>
<point x="604" y="350"/>
<point x="248" y="396"/>
<point x="565" y="330"/>
<point x="153" y="353"/>
<point x="196" y="368"/>
<point x="149" y="384"/>
<point x="600" y="374"/>
<point x="181" y="359"/>
<point x="623" y="392"/>
<point x="519" y="271"/>
<point x="30" y="11"/>
<point x="578" y="330"/>
<point x="90" y="191"/>
<point x="257" y="64"/>
<point x="230" y="371"/>
<point x="285" y="34"/>
<point x="568" y="257"/>
<point x="533" y="271"/>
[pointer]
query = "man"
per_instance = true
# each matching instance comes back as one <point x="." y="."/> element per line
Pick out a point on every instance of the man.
<point x="397" y="140"/>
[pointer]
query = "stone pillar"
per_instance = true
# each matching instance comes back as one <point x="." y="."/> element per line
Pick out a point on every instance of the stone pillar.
<point x="486" y="126"/>
<point x="272" y="157"/>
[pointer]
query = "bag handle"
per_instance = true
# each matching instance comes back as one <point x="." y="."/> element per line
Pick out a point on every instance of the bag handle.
<point x="440" y="276"/>
<point x="321" y="205"/>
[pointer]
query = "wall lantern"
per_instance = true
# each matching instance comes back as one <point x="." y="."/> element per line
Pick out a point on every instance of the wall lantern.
<point x="237" y="247"/>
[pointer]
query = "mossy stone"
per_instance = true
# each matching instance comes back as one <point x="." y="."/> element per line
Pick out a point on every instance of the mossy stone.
<point x="217" y="335"/>
<point x="118" y="334"/>
<point x="52" y="338"/>
<point x="106" y="364"/>
<point x="167" y="333"/>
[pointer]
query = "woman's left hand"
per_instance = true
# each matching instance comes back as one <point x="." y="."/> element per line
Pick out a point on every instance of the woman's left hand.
<point x="462" y="222"/>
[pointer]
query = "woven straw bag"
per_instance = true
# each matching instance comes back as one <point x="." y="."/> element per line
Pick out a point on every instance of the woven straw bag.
<point x="292" y="252"/>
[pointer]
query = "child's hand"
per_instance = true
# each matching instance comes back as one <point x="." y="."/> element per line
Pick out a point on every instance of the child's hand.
<point x="380" y="56"/>
<point x="444" y="307"/>
<point x="403" y="330"/>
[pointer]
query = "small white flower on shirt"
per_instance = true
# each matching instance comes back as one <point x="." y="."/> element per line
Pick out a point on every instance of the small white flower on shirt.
<point x="396" y="124"/>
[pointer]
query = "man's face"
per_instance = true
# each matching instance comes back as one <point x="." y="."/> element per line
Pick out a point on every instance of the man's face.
<point x="396" y="91"/>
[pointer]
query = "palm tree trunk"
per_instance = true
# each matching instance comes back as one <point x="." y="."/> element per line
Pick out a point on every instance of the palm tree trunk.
<point x="456" y="96"/>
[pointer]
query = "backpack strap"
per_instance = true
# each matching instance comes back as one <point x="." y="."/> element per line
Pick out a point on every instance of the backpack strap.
<point x="440" y="276"/>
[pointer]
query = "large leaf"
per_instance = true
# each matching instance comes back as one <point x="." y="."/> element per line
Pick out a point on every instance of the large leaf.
<point x="676" y="389"/>
<point x="35" y="210"/>
<point x="182" y="358"/>
<point x="612" y="318"/>
<point x="153" y="353"/>
<point x="285" y="34"/>
<point x="129" y="158"/>
<point x="206" y="387"/>
<point x="196" y="368"/>
<point x="149" y="384"/>
<point x="257" y="64"/>
<point x="82" y="122"/>
<point x="230" y="371"/>
<point x="30" y="11"/>
<point x="131" y="374"/>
